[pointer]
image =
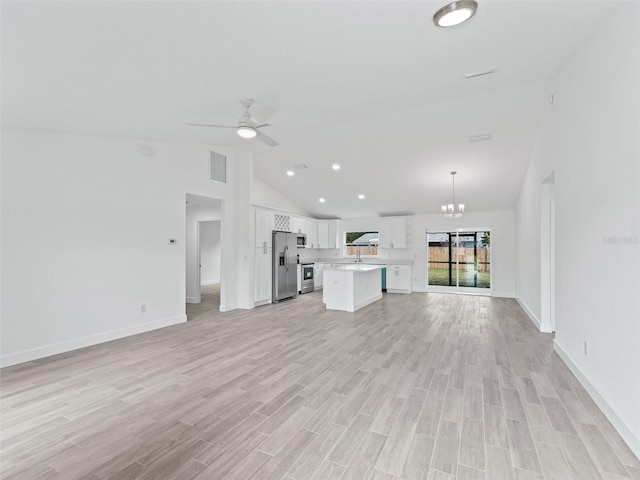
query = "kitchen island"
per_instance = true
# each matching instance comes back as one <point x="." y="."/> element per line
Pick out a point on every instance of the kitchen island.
<point x="351" y="287"/>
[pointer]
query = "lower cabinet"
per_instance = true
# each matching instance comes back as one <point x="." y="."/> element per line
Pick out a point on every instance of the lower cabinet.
<point x="399" y="278"/>
<point x="263" y="276"/>
<point x="299" y="277"/>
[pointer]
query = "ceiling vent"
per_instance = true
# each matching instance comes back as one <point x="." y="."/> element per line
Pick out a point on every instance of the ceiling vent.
<point x="480" y="74"/>
<point x="217" y="167"/>
<point x="480" y="138"/>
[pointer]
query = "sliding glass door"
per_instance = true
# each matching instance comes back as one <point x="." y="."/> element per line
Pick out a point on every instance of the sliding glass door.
<point x="459" y="259"/>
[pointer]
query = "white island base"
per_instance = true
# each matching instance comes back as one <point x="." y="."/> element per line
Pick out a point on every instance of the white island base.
<point x="351" y="287"/>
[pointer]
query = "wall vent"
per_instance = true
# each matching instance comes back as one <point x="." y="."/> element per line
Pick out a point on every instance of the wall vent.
<point x="218" y="167"/>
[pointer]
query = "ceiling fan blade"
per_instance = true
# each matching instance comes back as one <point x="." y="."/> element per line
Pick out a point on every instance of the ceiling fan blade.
<point x="209" y="125"/>
<point x="263" y="114"/>
<point x="266" y="139"/>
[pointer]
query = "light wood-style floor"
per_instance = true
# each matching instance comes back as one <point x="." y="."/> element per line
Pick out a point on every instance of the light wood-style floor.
<point x="420" y="386"/>
<point x="209" y="305"/>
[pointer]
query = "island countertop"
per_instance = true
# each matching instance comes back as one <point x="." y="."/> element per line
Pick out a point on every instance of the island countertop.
<point x="352" y="286"/>
<point x="355" y="267"/>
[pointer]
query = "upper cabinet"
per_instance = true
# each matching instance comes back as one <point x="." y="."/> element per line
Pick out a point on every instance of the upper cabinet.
<point x="264" y="226"/>
<point x="328" y="234"/>
<point x="394" y="232"/>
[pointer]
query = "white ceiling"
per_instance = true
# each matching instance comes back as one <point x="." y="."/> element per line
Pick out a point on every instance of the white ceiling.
<point x="373" y="86"/>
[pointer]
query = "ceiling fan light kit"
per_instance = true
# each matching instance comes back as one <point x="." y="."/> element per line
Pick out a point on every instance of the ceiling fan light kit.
<point x="247" y="126"/>
<point x="449" y="210"/>
<point x="246" y="131"/>
<point x="455" y="13"/>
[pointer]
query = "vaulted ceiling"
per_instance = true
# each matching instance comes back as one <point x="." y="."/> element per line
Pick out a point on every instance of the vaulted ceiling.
<point x="372" y="86"/>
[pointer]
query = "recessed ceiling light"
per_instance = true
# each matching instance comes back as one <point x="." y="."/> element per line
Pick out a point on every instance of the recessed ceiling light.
<point x="291" y="173"/>
<point x="361" y="197"/>
<point x="335" y="166"/>
<point x="321" y="200"/>
<point x="455" y="13"/>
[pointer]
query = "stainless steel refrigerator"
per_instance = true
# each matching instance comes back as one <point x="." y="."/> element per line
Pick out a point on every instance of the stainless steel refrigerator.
<point x="285" y="270"/>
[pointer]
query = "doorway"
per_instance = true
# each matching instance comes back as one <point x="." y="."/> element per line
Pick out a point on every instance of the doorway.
<point x="459" y="261"/>
<point x="203" y="251"/>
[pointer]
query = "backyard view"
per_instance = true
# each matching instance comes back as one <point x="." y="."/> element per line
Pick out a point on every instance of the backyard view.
<point x="460" y="259"/>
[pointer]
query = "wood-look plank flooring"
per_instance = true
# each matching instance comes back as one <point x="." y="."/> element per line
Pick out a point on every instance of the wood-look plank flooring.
<point x="413" y="387"/>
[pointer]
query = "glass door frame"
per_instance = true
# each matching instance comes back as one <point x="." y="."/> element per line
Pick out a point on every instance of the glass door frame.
<point x="454" y="265"/>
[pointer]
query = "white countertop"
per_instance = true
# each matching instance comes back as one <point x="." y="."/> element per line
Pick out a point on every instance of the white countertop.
<point x="358" y="267"/>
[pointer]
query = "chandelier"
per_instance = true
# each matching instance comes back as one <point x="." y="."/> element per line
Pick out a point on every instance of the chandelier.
<point x="449" y="210"/>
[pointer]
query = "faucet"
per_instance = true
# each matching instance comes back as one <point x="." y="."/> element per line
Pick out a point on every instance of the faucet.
<point x="358" y="259"/>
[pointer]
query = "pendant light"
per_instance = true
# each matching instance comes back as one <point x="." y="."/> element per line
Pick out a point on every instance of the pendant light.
<point x="449" y="210"/>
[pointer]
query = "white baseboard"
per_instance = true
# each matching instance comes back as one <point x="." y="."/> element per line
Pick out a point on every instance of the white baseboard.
<point x="191" y="300"/>
<point x="502" y="294"/>
<point x="213" y="282"/>
<point x="366" y="301"/>
<point x="229" y="307"/>
<point x="529" y="313"/>
<point x="76" y="343"/>
<point x="627" y="435"/>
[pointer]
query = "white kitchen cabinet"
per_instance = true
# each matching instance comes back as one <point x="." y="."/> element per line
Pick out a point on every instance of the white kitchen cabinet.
<point x="299" y="277"/>
<point x="318" y="268"/>
<point x="264" y="228"/>
<point x="298" y="225"/>
<point x="399" y="278"/>
<point x="312" y="233"/>
<point x="393" y="232"/>
<point x="327" y="234"/>
<point x="264" y="262"/>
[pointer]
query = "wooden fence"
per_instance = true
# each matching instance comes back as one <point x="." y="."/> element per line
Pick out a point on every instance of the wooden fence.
<point x="368" y="250"/>
<point x="441" y="255"/>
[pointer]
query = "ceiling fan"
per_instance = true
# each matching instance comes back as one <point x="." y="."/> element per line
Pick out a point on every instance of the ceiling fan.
<point x="248" y="126"/>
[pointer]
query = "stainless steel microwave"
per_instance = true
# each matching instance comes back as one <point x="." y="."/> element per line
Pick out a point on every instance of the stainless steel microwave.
<point x="301" y="240"/>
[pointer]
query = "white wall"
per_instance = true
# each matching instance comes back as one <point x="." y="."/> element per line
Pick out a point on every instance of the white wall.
<point x="591" y="141"/>
<point x="86" y="223"/>
<point x="264" y="195"/>
<point x="210" y="252"/>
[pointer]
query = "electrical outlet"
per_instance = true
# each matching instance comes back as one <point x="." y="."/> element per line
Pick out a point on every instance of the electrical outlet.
<point x="143" y="308"/>
<point x="585" y="347"/>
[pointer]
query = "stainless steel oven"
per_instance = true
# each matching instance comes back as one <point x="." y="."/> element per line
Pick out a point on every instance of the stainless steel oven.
<point x="306" y="271"/>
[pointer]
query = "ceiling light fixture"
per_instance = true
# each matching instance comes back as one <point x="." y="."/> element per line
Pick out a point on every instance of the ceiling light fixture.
<point x="361" y="197"/>
<point x="321" y="200"/>
<point x="455" y="13"/>
<point x="291" y="173"/>
<point x="335" y="166"/>
<point x="246" y="131"/>
<point x="449" y="210"/>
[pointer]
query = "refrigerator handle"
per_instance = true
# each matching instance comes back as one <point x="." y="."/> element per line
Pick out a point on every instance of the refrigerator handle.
<point x="286" y="257"/>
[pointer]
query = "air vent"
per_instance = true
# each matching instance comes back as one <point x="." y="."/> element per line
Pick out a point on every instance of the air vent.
<point x="480" y="74"/>
<point x="218" y="167"/>
<point x="480" y="138"/>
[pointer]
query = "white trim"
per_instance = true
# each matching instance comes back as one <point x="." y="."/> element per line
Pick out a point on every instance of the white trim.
<point x="365" y="302"/>
<point x="503" y="294"/>
<point x="191" y="300"/>
<point x="213" y="282"/>
<point x="529" y="313"/>
<point x="627" y="435"/>
<point x="229" y="307"/>
<point x="76" y="343"/>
